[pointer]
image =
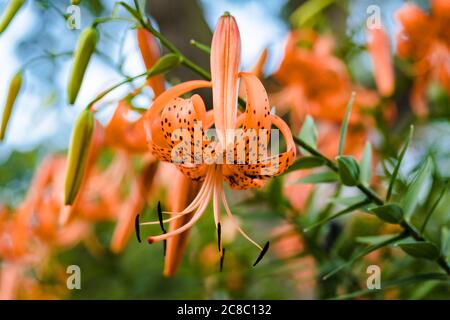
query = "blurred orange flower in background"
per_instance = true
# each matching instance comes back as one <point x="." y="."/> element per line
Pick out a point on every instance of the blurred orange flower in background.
<point x="425" y="40"/>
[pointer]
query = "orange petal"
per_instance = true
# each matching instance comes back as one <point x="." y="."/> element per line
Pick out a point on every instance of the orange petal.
<point x="257" y="108"/>
<point x="378" y="46"/>
<point x="225" y="59"/>
<point x="183" y="193"/>
<point x="150" y="52"/>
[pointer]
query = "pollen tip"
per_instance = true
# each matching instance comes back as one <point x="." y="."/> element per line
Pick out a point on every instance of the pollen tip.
<point x="150" y="240"/>
<point x="222" y="257"/>
<point x="137" y="228"/>
<point x="219" y="236"/>
<point x="262" y="253"/>
<point x="226" y="14"/>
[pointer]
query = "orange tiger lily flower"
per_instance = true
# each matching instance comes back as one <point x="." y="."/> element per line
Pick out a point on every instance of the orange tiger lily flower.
<point x="120" y="133"/>
<point x="379" y="50"/>
<point x="316" y="82"/>
<point x="41" y="208"/>
<point x="169" y="113"/>
<point x="425" y="39"/>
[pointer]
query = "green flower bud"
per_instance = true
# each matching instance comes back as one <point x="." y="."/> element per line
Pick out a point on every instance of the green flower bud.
<point x="78" y="154"/>
<point x="85" y="47"/>
<point x="14" y="88"/>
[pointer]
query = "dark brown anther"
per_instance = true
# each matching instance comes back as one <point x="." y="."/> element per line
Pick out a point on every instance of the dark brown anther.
<point x="161" y="224"/>
<point x="160" y="217"/>
<point x="222" y="257"/>
<point x="262" y="253"/>
<point x="219" y="236"/>
<point x="137" y="228"/>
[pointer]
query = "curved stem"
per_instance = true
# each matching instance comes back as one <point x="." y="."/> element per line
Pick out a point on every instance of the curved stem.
<point x="104" y="93"/>
<point x="371" y="195"/>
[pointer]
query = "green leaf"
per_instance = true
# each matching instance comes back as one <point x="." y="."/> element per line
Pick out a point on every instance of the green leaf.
<point x="372" y="240"/>
<point x="398" y="283"/>
<point x="399" y="162"/>
<point x="445" y="243"/>
<point x="390" y="213"/>
<point x="308" y="133"/>
<point x="433" y="208"/>
<point x="306" y="163"/>
<point x="344" y="125"/>
<point x="307" y="11"/>
<point x="320" y="177"/>
<point x="364" y="252"/>
<point x="419" y="249"/>
<point x="366" y="165"/>
<point x="338" y="214"/>
<point x="348" y="170"/>
<point x="347" y="201"/>
<point x="412" y="196"/>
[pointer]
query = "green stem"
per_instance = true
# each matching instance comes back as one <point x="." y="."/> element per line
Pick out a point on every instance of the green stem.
<point x="203" y="47"/>
<point x="48" y="55"/>
<point x="104" y="93"/>
<point x="101" y="20"/>
<point x="371" y="196"/>
<point x="166" y="43"/>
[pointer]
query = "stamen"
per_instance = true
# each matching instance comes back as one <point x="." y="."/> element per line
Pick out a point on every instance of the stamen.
<point x="216" y="206"/>
<point x="161" y="224"/>
<point x="262" y="253"/>
<point x="219" y="235"/>
<point x="137" y="228"/>
<point x="236" y="224"/>
<point x="222" y="257"/>
<point x="200" y="210"/>
<point x="203" y="192"/>
<point x="160" y="218"/>
<point x="164" y="221"/>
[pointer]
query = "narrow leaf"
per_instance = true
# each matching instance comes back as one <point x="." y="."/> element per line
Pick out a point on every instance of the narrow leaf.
<point x="345" y="123"/>
<point x="413" y="194"/>
<point x="365" y="252"/>
<point x="399" y="162"/>
<point x="308" y="133"/>
<point x="306" y="162"/>
<point x="347" y="201"/>
<point x="433" y="208"/>
<point x="400" y="282"/>
<point x="338" y="214"/>
<point x="371" y="240"/>
<point x="365" y="166"/>
<point x="320" y="177"/>
<point x="307" y="11"/>
<point x="445" y="243"/>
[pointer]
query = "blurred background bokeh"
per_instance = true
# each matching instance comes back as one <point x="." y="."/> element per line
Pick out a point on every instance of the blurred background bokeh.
<point x="42" y="121"/>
